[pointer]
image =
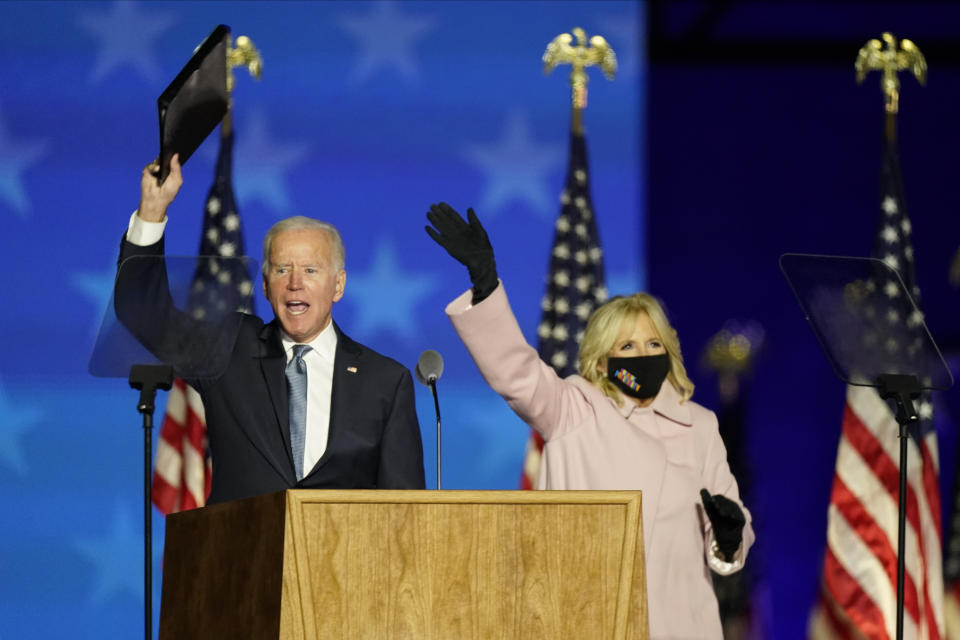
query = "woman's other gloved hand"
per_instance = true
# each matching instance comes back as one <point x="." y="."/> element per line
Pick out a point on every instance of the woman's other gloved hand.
<point x="727" y="519"/>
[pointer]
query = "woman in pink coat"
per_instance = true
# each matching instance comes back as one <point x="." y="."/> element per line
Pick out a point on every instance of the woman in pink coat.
<point x="616" y="426"/>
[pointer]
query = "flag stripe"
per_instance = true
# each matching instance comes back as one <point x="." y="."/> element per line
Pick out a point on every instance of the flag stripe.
<point x="932" y="529"/>
<point x="879" y="544"/>
<point x="863" y="605"/>
<point x="887" y="472"/>
<point x="169" y="464"/>
<point x="881" y="509"/>
<point x="930" y="470"/>
<point x="166" y="496"/>
<point x="181" y="468"/>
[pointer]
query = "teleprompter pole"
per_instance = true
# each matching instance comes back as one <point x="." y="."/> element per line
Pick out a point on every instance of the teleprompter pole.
<point x="148" y="378"/>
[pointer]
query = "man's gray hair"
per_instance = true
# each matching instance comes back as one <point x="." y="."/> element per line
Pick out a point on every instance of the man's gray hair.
<point x="296" y="223"/>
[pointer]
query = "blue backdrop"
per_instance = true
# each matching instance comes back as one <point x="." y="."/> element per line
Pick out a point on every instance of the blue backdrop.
<point x="367" y="113"/>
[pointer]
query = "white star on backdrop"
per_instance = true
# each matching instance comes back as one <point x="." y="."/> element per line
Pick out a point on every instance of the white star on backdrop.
<point x="17" y="420"/>
<point x="386" y="38"/>
<point x="385" y="296"/>
<point x="517" y="168"/>
<point x="115" y="554"/>
<point x="127" y="36"/>
<point x="16" y="156"/>
<point x="262" y="164"/>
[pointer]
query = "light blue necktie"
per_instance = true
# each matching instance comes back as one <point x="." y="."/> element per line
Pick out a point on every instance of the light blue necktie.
<point x="297" y="384"/>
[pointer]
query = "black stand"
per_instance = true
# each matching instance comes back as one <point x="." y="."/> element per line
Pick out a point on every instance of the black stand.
<point x="148" y="378"/>
<point x="152" y="326"/>
<point x="903" y="390"/>
<point x="436" y="405"/>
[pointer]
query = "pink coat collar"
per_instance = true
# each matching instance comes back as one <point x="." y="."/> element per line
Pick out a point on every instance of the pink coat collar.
<point x="667" y="403"/>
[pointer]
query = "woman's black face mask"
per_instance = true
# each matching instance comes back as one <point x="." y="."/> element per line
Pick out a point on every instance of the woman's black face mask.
<point x="639" y="376"/>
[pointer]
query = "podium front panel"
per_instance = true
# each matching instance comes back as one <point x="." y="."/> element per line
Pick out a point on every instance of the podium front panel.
<point x="455" y="564"/>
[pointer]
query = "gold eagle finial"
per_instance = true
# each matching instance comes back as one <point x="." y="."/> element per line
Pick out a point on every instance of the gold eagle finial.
<point x="245" y="54"/>
<point x="731" y="353"/>
<point x="889" y="60"/>
<point x="580" y="56"/>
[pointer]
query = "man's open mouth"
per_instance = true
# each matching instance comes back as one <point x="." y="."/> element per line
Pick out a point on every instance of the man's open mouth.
<point x="296" y="307"/>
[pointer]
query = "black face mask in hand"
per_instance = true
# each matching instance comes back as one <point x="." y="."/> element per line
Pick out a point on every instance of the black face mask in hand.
<point x="639" y="376"/>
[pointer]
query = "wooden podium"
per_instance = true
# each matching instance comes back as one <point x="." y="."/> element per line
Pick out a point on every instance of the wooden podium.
<point x="444" y="565"/>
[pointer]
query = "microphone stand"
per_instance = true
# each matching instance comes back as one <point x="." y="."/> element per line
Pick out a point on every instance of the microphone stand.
<point x="429" y="368"/>
<point x="436" y="405"/>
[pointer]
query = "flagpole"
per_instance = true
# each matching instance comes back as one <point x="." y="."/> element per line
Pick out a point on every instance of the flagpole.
<point x="889" y="59"/>
<point x="244" y="54"/>
<point x="558" y="333"/>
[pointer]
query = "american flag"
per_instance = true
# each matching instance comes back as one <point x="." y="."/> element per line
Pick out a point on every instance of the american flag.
<point x="182" y="468"/>
<point x="575" y="284"/>
<point x="858" y="597"/>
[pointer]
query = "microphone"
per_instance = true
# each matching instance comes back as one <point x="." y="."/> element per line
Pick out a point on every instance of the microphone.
<point x="429" y="367"/>
<point x="428" y="371"/>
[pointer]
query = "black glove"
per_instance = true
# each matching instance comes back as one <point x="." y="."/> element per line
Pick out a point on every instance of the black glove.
<point x="727" y="519"/>
<point x="468" y="243"/>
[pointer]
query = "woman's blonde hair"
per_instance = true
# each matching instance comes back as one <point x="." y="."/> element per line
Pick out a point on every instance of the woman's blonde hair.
<point x="602" y="331"/>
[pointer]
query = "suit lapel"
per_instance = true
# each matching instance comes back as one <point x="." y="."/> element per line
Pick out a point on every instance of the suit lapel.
<point x="346" y="369"/>
<point x="272" y="365"/>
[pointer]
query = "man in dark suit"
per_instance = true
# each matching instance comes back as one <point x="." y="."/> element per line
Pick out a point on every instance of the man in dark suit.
<point x="353" y="424"/>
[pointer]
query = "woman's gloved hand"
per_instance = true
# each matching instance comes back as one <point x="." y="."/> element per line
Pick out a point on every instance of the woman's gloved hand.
<point x="468" y="243"/>
<point x="727" y="519"/>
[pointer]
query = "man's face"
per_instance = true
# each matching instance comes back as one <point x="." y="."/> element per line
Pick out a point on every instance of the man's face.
<point x="302" y="283"/>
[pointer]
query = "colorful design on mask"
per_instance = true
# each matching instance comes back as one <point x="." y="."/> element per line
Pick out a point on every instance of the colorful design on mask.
<point x="628" y="379"/>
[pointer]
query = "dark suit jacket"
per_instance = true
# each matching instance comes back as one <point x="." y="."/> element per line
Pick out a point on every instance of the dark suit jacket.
<point x="374" y="440"/>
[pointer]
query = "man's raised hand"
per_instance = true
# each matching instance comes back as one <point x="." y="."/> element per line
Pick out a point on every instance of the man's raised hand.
<point x="155" y="198"/>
